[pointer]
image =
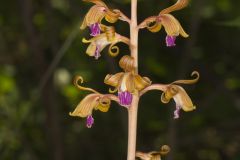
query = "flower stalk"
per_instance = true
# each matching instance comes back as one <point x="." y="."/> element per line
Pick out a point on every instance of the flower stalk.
<point x="133" y="110"/>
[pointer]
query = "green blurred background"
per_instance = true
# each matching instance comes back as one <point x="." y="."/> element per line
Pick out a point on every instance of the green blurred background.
<point x="41" y="51"/>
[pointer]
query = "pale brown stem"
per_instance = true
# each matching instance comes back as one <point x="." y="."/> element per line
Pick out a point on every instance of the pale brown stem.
<point x="112" y="97"/>
<point x="133" y="109"/>
<point x="161" y="87"/>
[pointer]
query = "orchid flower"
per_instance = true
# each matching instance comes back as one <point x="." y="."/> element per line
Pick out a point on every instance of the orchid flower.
<point x="171" y="25"/>
<point x="93" y="101"/>
<point x="154" y="155"/>
<point x="126" y="83"/>
<point x="99" y="42"/>
<point x="96" y="13"/>
<point x="177" y="93"/>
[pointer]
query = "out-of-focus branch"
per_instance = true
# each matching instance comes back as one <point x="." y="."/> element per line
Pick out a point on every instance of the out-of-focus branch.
<point x="72" y="36"/>
<point x="39" y="62"/>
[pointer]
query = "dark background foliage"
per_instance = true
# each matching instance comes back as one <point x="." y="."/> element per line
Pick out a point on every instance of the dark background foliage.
<point x="41" y="50"/>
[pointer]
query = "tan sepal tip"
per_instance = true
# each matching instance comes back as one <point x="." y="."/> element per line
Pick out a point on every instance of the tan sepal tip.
<point x="191" y="81"/>
<point x="113" y="50"/>
<point x="165" y="149"/>
<point x="78" y="79"/>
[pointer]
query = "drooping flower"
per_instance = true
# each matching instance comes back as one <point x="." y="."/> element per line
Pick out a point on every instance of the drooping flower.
<point x="95" y="15"/>
<point x="126" y="83"/>
<point x="175" y="92"/>
<point x="99" y="42"/>
<point x="93" y="101"/>
<point x="171" y="25"/>
<point x="181" y="98"/>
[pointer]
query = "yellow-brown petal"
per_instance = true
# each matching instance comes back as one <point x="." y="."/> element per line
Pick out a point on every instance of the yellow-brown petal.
<point x="183" y="100"/>
<point x="141" y="82"/>
<point x="85" y="107"/>
<point x="171" y="24"/>
<point x="113" y="80"/>
<point x="111" y="16"/>
<point x="94" y="15"/>
<point x="91" y="49"/>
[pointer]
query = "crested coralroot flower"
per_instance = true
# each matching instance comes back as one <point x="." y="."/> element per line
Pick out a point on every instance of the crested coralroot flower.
<point x="154" y="155"/>
<point x="180" y="96"/>
<point x="93" y="101"/>
<point x="99" y="42"/>
<point x="96" y="13"/>
<point x="126" y="83"/>
<point x="175" y="92"/>
<point x="171" y="25"/>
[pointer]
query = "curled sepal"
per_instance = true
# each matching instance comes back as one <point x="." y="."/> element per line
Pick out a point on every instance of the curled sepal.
<point x="78" y="79"/>
<point x="154" y="155"/>
<point x="180" y="4"/>
<point x="188" y="81"/>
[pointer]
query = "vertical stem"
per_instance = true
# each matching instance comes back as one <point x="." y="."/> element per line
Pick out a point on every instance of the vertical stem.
<point x="132" y="112"/>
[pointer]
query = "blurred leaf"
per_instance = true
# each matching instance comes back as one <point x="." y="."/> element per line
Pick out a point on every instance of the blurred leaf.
<point x="231" y="23"/>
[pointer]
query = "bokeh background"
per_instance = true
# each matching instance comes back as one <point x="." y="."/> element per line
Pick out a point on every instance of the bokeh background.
<point x="41" y="51"/>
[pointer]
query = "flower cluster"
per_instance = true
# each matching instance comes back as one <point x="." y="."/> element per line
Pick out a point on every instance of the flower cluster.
<point x="126" y="83"/>
<point x="108" y="36"/>
<point x="129" y="83"/>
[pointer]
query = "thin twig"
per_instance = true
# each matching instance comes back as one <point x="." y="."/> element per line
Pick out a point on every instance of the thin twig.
<point x="72" y="36"/>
